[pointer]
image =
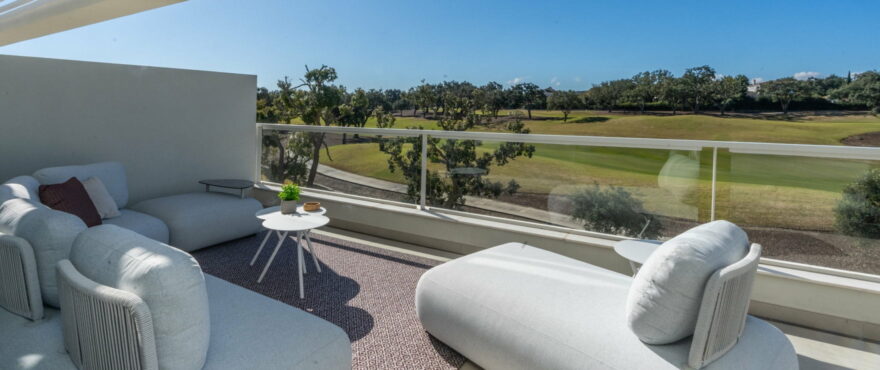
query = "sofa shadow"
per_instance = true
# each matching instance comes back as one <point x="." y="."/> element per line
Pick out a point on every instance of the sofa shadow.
<point x="449" y="355"/>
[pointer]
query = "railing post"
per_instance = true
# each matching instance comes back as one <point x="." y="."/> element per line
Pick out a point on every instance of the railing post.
<point x="714" y="181"/>
<point x="259" y="170"/>
<point x="423" y="184"/>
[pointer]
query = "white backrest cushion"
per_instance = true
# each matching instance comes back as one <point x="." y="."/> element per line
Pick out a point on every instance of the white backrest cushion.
<point x="112" y="174"/>
<point x="24" y="187"/>
<point x="101" y="198"/>
<point x="169" y="281"/>
<point x="50" y="233"/>
<point x="665" y="296"/>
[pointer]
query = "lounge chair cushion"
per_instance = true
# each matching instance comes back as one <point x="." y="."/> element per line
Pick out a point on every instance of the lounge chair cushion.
<point x="112" y="174"/>
<point x="169" y="281"/>
<point x="252" y="331"/>
<point x="50" y="234"/>
<point x="24" y="187"/>
<point x="141" y="223"/>
<point x="515" y="306"/>
<point x="664" y="300"/>
<point x="201" y="219"/>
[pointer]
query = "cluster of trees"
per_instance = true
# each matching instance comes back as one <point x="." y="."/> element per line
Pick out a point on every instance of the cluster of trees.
<point x="696" y="89"/>
<point x="316" y="100"/>
<point x="435" y="100"/>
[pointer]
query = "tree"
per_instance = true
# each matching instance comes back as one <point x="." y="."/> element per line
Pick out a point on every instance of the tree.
<point x="727" y="90"/>
<point x="384" y="119"/>
<point x="465" y="167"/>
<point x="646" y="87"/>
<point x="564" y="101"/>
<point x="858" y="211"/>
<point x="318" y="104"/>
<point x="357" y="111"/>
<point x="530" y="96"/>
<point x="784" y="91"/>
<point x="864" y="89"/>
<point x="424" y="96"/>
<point x="674" y="92"/>
<point x="614" y="211"/>
<point x="698" y="82"/>
<point x="494" y="98"/>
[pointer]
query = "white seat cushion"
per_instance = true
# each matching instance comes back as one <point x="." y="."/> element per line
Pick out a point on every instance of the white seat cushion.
<point x="252" y="331"/>
<point x="169" y="281"/>
<point x="32" y="345"/>
<point x="665" y="297"/>
<point x="519" y="307"/>
<point x="198" y="220"/>
<point x="141" y="223"/>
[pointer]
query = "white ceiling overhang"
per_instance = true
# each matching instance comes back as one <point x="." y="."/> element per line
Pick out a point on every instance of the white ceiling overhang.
<point x="27" y="19"/>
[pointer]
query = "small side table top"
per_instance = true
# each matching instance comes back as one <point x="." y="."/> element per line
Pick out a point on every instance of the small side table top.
<point x="239" y="185"/>
<point x="294" y="222"/>
<point x="265" y="213"/>
<point x="636" y="251"/>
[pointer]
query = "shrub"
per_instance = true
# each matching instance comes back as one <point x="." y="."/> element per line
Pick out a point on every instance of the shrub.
<point x="613" y="210"/>
<point x="289" y="192"/>
<point x="858" y="212"/>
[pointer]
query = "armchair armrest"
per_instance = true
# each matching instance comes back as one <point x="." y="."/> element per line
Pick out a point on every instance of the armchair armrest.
<point x="19" y="285"/>
<point x="104" y="327"/>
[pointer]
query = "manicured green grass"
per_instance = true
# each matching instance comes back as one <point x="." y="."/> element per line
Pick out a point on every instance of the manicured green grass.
<point x="804" y="130"/>
<point x="794" y="192"/>
<point x="773" y="191"/>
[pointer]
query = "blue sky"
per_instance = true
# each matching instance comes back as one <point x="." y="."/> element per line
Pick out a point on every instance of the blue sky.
<point x="570" y="45"/>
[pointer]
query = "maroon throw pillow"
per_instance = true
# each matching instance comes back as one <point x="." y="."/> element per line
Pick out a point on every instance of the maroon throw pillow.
<point x="71" y="197"/>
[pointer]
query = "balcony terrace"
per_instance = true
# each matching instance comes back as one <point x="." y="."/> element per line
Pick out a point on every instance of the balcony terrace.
<point x="171" y="128"/>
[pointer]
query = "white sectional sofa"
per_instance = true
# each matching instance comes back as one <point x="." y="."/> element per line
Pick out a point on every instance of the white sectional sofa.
<point x="187" y="221"/>
<point x="516" y="306"/>
<point x="130" y="302"/>
<point x="149" y="301"/>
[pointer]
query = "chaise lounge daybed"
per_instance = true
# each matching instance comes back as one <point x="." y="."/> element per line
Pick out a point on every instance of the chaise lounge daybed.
<point x="516" y="306"/>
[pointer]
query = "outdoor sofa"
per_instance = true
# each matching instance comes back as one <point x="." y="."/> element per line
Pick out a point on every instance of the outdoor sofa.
<point x="130" y="302"/>
<point x="118" y="296"/>
<point x="516" y="306"/>
<point x="188" y="221"/>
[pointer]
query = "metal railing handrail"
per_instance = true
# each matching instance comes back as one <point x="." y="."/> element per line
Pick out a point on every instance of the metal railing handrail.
<point x="743" y="147"/>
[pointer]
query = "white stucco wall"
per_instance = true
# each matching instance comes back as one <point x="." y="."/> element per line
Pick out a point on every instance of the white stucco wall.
<point x="170" y="127"/>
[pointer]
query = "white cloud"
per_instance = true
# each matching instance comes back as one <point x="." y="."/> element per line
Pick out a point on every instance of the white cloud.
<point x="554" y="81"/>
<point x="806" y="75"/>
<point x="757" y="80"/>
<point x="577" y="79"/>
<point x="516" y="80"/>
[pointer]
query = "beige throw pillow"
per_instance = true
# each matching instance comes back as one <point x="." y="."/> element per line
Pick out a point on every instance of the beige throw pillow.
<point x="101" y="198"/>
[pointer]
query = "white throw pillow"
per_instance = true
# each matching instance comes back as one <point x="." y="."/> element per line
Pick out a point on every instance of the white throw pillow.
<point x="104" y="203"/>
<point x="665" y="296"/>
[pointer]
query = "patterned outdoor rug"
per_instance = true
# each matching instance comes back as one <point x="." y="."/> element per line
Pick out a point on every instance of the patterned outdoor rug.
<point x="368" y="292"/>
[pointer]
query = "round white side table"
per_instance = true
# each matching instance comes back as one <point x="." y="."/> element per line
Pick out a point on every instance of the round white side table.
<point x="266" y="213"/>
<point x="282" y="225"/>
<point x="636" y="251"/>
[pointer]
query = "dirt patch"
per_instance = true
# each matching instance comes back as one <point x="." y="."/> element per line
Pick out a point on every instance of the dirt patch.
<point x="866" y="139"/>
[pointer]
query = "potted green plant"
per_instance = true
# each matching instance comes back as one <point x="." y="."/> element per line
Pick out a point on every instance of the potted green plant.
<point x="289" y="195"/>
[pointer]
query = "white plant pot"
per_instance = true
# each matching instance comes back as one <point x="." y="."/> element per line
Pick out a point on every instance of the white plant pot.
<point x="288" y="207"/>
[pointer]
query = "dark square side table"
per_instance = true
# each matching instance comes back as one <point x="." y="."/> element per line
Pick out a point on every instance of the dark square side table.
<point x="228" y="184"/>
